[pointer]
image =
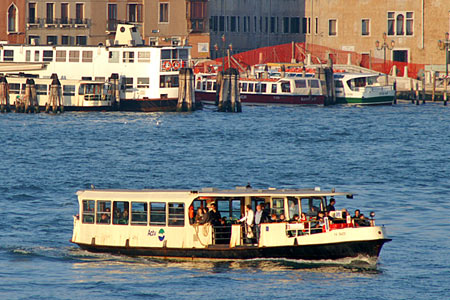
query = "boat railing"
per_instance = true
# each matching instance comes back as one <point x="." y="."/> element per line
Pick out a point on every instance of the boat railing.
<point x="316" y="226"/>
<point x="222" y="234"/>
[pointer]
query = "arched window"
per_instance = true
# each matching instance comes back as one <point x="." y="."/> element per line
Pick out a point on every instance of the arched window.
<point x="12" y="18"/>
<point x="400" y="24"/>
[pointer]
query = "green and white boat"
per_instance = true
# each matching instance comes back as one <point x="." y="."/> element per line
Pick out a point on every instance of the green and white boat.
<point x="362" y="89"/>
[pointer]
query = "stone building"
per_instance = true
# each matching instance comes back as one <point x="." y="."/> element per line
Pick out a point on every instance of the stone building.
<point x="12" y="21"/>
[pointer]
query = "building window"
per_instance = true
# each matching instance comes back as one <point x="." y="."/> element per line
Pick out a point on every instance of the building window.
<point x="86" y="56"/>
<point x="399" y="25"/>
<point x="316" y="26"/>
<point x="50" y="13"/>
<point x="65" y="40"/>
<point x="81" y="40"/>
<point x="214" y="23"/>
<point x="32" y="13"/>
<point x="79" y="13"/>
<point x="332" y="27"/>
<point x="306" y="25"/>
<point x="64" y="13"/>
<point x="233" y="24"/>
<point x="163" y="12"/>
<point x="74" y="56"/>
<point x="112" y="17"/>
<point x="272" y="25"/>
<point x="113" y="56"/>
<point x="365" y="27"/>
<point x="409" y="23"/>
<point x="28" y="55"/>
<point x="60" y="55"/>
<point x="285" y="25"/>
<point x="221" y="23"/>
<point x="12" y="18"/>
<point x="52" y="40"/>
<point x="128" y="57"/>
<point x="135" y="13"/>
<point x="36" y="55"/>
<point x="295" y="25"/>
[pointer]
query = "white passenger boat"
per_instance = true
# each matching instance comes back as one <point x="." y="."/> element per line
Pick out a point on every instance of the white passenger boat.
<point x="161" y="223"/>
<point x="257" y="91"/>
<point x="148" y="74"/>
<point x="75" y="95"/>
<point x="362" y="89"/>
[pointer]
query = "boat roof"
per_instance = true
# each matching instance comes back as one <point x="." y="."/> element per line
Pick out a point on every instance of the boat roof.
<point x="208" y="192"/>
<point x="354" y="75"/>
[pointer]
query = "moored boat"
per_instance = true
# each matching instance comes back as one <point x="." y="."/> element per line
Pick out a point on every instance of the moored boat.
<point x="257" y="91"/>
<point x="164" y="223"/>
<point x="362" y="89"/>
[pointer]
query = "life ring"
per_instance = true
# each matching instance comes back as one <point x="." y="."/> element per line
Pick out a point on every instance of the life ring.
<point x="176" y="65"/>
<point x="167" y="66"/>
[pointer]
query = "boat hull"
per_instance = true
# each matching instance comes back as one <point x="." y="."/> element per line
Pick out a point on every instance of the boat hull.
<point x="305" y="252"/>
<point x="148" y="105"/>
<point x="261" y="99"/>
<point x="382" y="100"/>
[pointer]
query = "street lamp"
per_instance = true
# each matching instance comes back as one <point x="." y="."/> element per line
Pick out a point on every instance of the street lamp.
<point x="443" y="45"/>
<point x="384" y="46"/>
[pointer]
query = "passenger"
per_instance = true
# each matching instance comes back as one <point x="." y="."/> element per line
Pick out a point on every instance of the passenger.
<point x="259" y="218"/>
<point x="363" y="221"/>
<point x="273" y="218"/>
<point x="305" y="222"/>
<point x="124" y="217"/>
<point x="200" y="217"/>
<point x="357" y="214"/>
<point x="293" y="209"/>
<point x="330" y="207"/>
<point x="249" y="219"/>
<point x="282" y="218"/>
<point x="266" y="212"/>
<point x="191" y="214"/>
<point x="214" y="215"/>
<point x="104" y="219"/>
<point x="318" y="226"/>
<point x="296" y="218"/>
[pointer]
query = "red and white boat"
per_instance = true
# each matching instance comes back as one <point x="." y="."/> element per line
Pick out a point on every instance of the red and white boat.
<point x="257" y="91"/>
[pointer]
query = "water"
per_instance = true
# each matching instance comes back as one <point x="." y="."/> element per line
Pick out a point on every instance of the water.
<point x="394" y="158"/>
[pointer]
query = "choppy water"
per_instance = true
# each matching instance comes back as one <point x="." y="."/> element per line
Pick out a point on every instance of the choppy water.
<point x="395" y="158"/>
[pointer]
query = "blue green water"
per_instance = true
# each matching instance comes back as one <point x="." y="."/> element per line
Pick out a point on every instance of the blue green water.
<point x="396" y="159"/>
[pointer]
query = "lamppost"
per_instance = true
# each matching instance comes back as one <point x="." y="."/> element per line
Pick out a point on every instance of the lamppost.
<point x="384" y="46"/>
<point x="443" y="45"/>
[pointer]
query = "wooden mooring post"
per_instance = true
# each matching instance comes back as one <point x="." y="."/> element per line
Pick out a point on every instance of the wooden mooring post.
<point x="54" y="99"/>
<point x="4" y="95"/>
<point x="186" y="95"/>
<point x="229" y="97"/>
<point x="30" y="102"/>
<point x="445" y="92"/>
<point x="115" y="90"/>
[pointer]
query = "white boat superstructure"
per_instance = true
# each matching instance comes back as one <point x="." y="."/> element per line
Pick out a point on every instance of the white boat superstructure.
<point x="145" y="73"/>
<point x="166" y="223"/>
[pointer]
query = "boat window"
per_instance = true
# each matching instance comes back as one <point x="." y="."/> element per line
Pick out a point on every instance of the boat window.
<point x="8" y="55"/>
<point x="183" y="54"/>
<point x="214" y="86"/>
<point x="256" y="201"/>
<point x="86" y="56"/>
<point x="250" y="87"/>
<point x="41" y="89"/>
<point x="263" y="87"/>
<point x="113" y="56"/>
<point x="68" y="90"/>
<point x="121" y="211"/>
<point x="293" y="207"/>
<point x="168" y="81"/>
<point x="338" y="84"/>
<point x="158" y="213"/>
<point x="88" y="214"/>
<point x="244" y="86"/>
<point x="314" y="83"/>
<point x="199" y="84"/>
<point x="60" y="55"/>
<point x="47" y="55"/>
<point x="174" y="53"/>
<point x="74" y="56"/>
<point x="311" y="206"/>
<point x="165" y="54"/>
<point x="28" y="55"/>
<point x="258" y="88"/>
<point x="300" y="83"/>
<point x="103" y="212"/>
<point x="143" y="82"/>
<point x="274" y="88"/>
<point x="14" y="88"/>
<point x="285" y="87"/>
<point x="277" y="206"/>
<point x="128" y="56"/>
<point x="209" y="85"/>
<point x="204" y="86"/>
<point x="143" y="56"/>
<point x="128" y="81"/>
<point x="36" y="55"/>
<point x="176" y="214"/>
<point x="138" y="213"/>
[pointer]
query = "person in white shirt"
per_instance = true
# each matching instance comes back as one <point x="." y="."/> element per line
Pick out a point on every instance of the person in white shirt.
<point x="249" y="219"/>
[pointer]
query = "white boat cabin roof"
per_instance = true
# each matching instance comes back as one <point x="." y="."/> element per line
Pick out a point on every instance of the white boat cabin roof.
<point x="189" y="195"/>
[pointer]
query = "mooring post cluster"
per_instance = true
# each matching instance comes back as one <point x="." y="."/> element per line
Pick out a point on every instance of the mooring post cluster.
<point x="4" y="95"/>
<point x="186" y="92"/>
<point x="229" y="97"/>
<point x="54" y="100"/>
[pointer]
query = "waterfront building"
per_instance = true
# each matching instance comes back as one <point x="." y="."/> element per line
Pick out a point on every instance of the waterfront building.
<point x="12" y="21"/>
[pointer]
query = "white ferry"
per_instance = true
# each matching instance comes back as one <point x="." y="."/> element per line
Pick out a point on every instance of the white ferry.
<point x="75" y="95"/>
<point x="148" y="74"/>
<point x="256" y="91"/>
<point x="162" y="223"/>
<point x="362" y="89"/>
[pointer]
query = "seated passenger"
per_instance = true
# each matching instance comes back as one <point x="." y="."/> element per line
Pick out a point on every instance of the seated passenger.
<point x="273" y="218"/>
<point x="296" y="218"/>
<point x="124" y="217"/>
<point x="282" y="218"/>
<point x="104" y="219"/>
<point x="200" y="217"/>
<point x="330" y="207"/>
<point x="363" y="221"/>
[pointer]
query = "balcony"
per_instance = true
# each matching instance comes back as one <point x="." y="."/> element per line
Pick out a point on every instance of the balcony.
<point x="78" y="22"/>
